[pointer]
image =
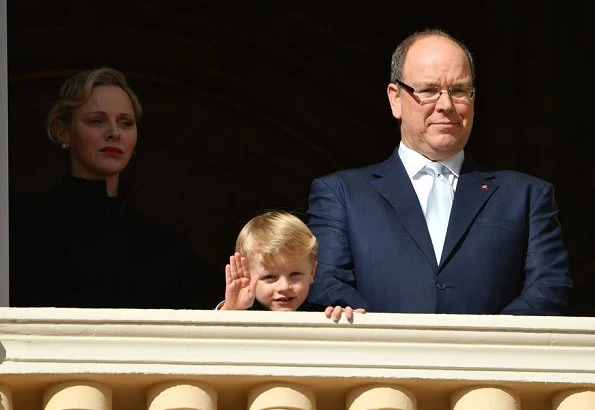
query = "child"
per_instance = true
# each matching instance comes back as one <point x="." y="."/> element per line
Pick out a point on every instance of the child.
<point x="274" y="266"/>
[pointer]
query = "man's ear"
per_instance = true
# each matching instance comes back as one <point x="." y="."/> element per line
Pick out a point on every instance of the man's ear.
<point x="394" y="99"/>
<point x="313" y="272"/>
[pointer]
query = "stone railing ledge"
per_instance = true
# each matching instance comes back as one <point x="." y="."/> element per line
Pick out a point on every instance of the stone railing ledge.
<point x="227" y="343"/>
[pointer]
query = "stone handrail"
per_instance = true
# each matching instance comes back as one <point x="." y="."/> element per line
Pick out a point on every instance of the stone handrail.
<point x="429" y="361"/>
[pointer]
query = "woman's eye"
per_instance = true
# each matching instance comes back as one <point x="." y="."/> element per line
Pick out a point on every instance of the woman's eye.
<point x="126" y="124"/>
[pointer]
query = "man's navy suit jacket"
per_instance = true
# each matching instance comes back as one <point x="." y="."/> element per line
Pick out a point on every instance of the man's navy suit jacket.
<point x="503" y="252"/>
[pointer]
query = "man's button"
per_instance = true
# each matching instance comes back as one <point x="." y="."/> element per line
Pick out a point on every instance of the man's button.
<point x="440" y="285"/>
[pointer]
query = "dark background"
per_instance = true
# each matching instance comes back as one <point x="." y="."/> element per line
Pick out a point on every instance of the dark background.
<point x="245" y="103"/>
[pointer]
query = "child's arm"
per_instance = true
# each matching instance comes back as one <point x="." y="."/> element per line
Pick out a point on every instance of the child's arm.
<point x="240" y="286"/>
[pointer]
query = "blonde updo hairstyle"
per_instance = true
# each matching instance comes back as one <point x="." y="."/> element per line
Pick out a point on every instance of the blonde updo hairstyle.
<point x="77" y="89"/>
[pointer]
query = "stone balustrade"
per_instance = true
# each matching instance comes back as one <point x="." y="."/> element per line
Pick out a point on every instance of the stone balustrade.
<point x="117" y="359"/>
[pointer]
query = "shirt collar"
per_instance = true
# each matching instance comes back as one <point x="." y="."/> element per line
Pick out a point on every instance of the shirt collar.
<point x="414" y="162"/>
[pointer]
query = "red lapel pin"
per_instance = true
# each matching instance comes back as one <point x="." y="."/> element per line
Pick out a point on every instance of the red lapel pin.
<point x="484" y="187"/>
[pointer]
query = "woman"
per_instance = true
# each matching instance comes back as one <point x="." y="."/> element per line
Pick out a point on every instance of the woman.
<point x="81" y="245"/>
<point x="95" y="119"/>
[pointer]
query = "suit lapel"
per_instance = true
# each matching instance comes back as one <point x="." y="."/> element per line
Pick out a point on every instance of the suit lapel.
<point x="474" y="188"/>
<point x="393" y="184"/>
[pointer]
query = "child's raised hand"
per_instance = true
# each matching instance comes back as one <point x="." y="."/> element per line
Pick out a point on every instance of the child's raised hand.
<point x="335" y="312"/>
<point x="240" y="286"/>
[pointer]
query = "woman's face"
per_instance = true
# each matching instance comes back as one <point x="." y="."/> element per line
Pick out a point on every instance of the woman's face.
<point x="102" y="134"/>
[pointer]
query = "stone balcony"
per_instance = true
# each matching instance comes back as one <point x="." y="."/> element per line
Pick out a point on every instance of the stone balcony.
<point x="65" y="359"/>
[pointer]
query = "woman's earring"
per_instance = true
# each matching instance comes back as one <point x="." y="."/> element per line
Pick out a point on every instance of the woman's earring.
<point x="64" y="146"/>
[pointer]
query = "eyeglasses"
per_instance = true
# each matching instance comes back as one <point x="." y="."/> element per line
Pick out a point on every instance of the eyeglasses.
<point x="430" y="95"/>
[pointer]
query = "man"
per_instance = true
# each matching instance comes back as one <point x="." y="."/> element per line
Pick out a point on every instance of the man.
<point x="499" y="247"/>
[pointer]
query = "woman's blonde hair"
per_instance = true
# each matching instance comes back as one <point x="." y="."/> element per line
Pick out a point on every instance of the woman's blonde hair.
<point x="274" y="232"/>
<point x="77" y="89"/>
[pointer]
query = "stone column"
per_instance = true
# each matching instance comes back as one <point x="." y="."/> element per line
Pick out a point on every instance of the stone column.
<point x="485" y="398"/>
<point x="378" y="396"/>
<point x="281" y="396"/>
<point x="5" y="398"/>
<point x="80" y="395"/>
<point x="182" y="395"/>
<point x="577" y="399"/>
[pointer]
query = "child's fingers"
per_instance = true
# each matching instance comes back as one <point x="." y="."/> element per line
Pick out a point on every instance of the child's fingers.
<point x="245" y="267"/>
<point x="237" y="261"/>
<point x="348" y="313"/>
<point x="336" y="313"/>
<point x="233" y="267"/>
<point x="228" y="277"/>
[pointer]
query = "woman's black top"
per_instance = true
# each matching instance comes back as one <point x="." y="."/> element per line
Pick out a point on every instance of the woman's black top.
<point x="77" y="247"/>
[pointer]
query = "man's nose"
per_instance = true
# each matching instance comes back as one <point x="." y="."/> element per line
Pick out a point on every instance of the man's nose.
<point x="444" y="101"/>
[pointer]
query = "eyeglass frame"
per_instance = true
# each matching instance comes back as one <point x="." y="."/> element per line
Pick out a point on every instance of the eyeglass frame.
<point x="411" y="91"/>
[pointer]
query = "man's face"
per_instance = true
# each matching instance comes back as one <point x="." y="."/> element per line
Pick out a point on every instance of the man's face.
<point x="439" y="129"/>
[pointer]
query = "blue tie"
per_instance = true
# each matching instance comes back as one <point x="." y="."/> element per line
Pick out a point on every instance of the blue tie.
<point x="439" y="205"/>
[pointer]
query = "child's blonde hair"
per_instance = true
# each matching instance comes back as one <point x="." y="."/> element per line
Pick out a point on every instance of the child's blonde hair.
<point x="274" y="232"/>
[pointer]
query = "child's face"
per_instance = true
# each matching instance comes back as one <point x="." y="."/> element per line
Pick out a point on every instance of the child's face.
<point x="284" y="282"/>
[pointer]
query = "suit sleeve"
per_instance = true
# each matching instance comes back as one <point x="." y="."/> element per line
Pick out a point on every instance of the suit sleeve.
<point x="547" y="284"/>
<point x="335" y="281"/>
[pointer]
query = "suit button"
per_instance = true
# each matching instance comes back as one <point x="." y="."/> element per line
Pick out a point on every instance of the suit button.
<point x="440" y="285"/>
